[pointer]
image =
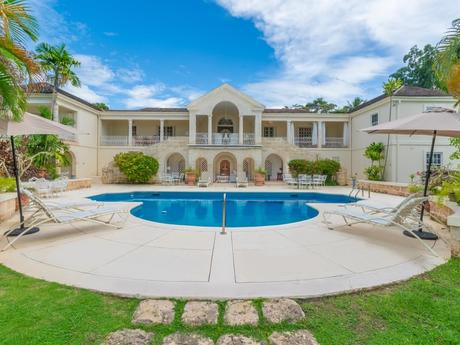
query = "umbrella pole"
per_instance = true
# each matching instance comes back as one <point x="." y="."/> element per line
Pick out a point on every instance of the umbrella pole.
<point x="425" y="235"/>
<point x="21" y="228"/>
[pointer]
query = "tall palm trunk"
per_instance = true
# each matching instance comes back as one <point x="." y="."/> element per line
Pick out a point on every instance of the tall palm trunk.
<point x="54" y="107"/>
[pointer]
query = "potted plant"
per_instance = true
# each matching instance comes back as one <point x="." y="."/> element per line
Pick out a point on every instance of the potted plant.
<point x="260" y="177"/>
<point x="190" y="176"/>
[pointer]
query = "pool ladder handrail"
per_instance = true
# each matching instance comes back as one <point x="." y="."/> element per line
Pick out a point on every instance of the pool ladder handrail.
<point x="224" y="215"/>
<point x="359" y="188"/>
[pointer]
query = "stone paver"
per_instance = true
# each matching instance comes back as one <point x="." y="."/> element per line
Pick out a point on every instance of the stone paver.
<point x="154" y="312"/>
<point x="129" y="337"/>
<point x="301" y="337"/>
<point x="240" y="313"/>
<point x="200" y="313"/>
<point x="283" y="309"/>
<point x="230" y="339"/>
<point x="187" y="339"/>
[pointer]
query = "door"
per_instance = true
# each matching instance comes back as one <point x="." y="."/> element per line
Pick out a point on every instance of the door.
<point x="224" y="168"/>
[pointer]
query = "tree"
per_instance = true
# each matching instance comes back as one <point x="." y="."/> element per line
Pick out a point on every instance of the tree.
<point x="375" y="152"/>
<point x="350" y="106"/>
<point x="318" y="105"/>
<point x="101" y="106"/>
<point x="58" y="63"/>
<point x="17" y="67"/>
<point x="447" y="63"/>
<point x="419" y="68"/>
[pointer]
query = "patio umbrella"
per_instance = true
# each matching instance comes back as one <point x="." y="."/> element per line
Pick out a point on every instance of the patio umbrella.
<point x="30" y="124"/>
<point x="436" y="122"/>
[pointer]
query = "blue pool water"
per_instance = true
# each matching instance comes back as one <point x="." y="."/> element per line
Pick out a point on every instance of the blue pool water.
<point x="243" y="209"/>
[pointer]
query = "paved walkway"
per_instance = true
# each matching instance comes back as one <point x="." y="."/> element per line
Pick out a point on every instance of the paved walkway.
<point x="157" y="260"/>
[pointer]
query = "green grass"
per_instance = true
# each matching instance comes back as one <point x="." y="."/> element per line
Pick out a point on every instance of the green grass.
<point x="424" y="310"/>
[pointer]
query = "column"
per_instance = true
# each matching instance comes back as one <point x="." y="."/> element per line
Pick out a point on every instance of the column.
<point x="320" y="134"/>
<point x="162" y="130"/>
<point x="130" y="132"/>
<point x="345" y="134"/>
<point x="314" y="134"/>
<point x="192" y="128"/>
<point x="289" y="132"/>
<point x="323" y="133"/>
<point x="56" y="112"/>
<point x="240" y="130"/>
<point x="258" y="129"/>
<point x="209" y="130"/>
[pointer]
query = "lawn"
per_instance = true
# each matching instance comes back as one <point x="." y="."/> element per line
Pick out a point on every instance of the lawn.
<point x="424" y="310"/>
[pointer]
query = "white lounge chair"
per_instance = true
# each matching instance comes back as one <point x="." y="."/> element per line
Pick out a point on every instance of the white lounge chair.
<point x="44" y="214"/>
<point x="242" y="180"/>
<point x="405" y="217"/>
<point x="377" y="207"/>
<point x="204" y="180"/>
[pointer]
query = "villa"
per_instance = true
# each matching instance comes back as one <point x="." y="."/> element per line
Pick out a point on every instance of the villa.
<point x="226" y="131"/>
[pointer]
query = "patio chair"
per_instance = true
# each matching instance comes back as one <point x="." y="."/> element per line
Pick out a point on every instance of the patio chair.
<point x="242" y="180"/>
<point x="65" y="215"/>
<point x="59" y="185"/>
<point x="42" y="187"/>
<point x="204" y="180"/>
<point x="316" y="180"/>
<point x="403" y="217"/>
<point x="287" y="178"/>
<point x="305" y="181"/>
<point x="166" y="179"/>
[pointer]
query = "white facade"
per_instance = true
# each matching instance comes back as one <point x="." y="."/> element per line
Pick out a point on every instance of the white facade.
<point x="226" y="131"/>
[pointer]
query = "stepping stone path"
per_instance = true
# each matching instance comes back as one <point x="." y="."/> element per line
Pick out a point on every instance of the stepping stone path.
<point x="230" y="339"/>
<point x="284" y="309"/>
<point x="154" y="312"/>
<point x="187" y="339"/>
<point x="301" y="337"/>
<point x="200" y="313"/>
<point x="240" y="313"/>
<point x="128" y="337"/>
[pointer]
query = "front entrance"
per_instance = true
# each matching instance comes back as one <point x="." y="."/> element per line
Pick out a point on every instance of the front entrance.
<point x="224" y="168"/>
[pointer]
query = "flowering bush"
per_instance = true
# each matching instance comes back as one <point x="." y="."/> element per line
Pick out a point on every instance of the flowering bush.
<point x="136" y="166"/>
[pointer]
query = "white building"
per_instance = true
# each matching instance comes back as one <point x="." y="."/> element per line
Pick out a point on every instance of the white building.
<point x="226" y="131"/>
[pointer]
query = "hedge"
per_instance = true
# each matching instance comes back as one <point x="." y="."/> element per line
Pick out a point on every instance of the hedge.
<point x="136" y="166"/>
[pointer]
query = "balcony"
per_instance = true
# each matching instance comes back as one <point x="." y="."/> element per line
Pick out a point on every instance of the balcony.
<point x="304" y="142"/>
<point x="334" y="142"/>
<point x="123" y="140"/>
<point x="227" y="139"/>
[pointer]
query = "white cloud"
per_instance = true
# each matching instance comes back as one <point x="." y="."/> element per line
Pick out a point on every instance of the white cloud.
<point x="331" y="48"/>
<point x="86" y="93"/>
<point x="130" y="75"/>
<point x="151" y="96"/>
<point x="93" y="71"/>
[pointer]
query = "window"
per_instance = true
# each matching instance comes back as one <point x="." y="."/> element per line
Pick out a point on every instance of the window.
<point x="168" y="131"/>
<point x="269" y="132"/>
<point x="134" y="131"/>
<point x="305" y="132"/>
<point x="437" y="160"/>
<point x="374" y="119"/>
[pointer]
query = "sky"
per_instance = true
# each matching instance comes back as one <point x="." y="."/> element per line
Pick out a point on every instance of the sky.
<point x="137" y="54"/>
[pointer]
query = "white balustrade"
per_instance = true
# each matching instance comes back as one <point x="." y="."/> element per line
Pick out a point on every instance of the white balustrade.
<point x="114" y="140"/>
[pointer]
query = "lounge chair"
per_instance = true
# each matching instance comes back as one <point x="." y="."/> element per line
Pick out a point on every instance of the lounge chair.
<point x="405" y="217"/>
<point x="378" y="207"/>
<point x="204" y="180"/>
<point x="44" y="214"/>
<point x="242" y="180"/>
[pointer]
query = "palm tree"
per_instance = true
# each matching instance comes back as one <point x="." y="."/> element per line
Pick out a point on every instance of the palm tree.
<point x="447" y="62"/>
<point x="357" y="101"/>
<point x="389" y="89"/>
<point x="17" y="66"/>
<point x="58" y="63"/>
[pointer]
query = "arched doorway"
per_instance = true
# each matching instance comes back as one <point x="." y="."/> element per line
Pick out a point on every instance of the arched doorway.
<point x="70" y="169"/>
<point x="175" y="163"/>
<point x="248" y="168"/>
<point x="273" y="166"/>
<point x="225" y="123"/>
<point x="225" y="166"/>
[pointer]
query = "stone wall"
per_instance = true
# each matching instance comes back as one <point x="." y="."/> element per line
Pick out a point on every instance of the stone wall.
<point x="79" y="183"/>
<point x="112" y="174"/>
<point x="392" y="188"/>
<point x="342" y="177"/>
<point x="440" y="212"/>
<point x="7" y="205"/>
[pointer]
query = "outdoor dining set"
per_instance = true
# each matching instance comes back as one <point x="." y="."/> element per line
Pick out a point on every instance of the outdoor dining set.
<point x="305" y="181"/>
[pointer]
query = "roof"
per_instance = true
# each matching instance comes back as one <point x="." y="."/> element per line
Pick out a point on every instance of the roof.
<point x="47" y="88"/>
<point x="406" y="91"/>
<point x="159" y="110"/>
<point x="285" y="110"/>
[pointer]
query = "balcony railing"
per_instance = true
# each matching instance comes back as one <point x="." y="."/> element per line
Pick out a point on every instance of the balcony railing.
<point x="334" y="142"/>
<point x="225" y="139"/>
<point x="114" y="140"/>
<point x="304" y="142"/>
<point x="145" y="140"/>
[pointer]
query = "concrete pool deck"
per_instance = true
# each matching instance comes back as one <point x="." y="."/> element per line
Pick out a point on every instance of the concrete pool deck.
<point x="149" y="259"/>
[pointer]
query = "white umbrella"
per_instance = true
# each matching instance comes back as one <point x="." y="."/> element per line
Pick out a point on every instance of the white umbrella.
<point x="436" y="122"/>
<point x="30" y="124"/>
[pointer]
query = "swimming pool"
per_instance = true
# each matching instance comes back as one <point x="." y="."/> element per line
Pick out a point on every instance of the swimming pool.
<point x="243" y="209"/>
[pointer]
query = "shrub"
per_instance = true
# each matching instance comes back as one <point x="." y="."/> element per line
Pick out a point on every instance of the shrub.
<point x="7" y="184"/>
<point x="374" y="173"/>
<point x="261" y="171"/>
<point x="136" y="166"/>
<point x="68" y="121"/>
<point x="327" y="167"/>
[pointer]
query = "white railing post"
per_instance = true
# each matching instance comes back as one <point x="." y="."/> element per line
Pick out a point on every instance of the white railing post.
<point x="210" y="130"/>
<point x="162" y="130"/>
<point x="240" y="130"/>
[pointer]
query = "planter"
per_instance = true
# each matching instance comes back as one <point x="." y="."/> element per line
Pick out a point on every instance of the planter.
<point x="190" y="179"/>
<point x="259" y="179"/>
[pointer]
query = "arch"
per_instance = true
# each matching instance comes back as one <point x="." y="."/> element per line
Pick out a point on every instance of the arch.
<point x="175" y="163"/>
<point x="273" y="166"/>
<point x="225" y="163"/>
<point x="225" y="117"/>
<point x="201" y="165"/>
<point x="248" y="168"/>
<point x="70" y="170"/>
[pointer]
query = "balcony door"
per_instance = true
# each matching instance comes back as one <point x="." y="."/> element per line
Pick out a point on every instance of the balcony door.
<point x="224" y="168"/>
